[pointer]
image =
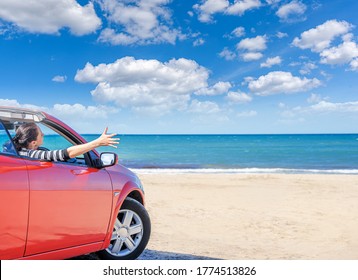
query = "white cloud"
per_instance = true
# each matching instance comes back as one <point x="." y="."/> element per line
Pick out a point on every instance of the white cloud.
<point x="354" y="64"/>
<point x="247" y="114"/>
<point x="68" y="111"/>
<point x="9" y="102"/>
<point x="272" y="2"/>
<point x="238" y="97"/>
<point x="281" y="35"/>
<point x="227" y="54"/>
<point x="247" y="80"/>
<point x="50" y="16"/>
<point x="205" y="107"/>
<point x="292" y="11"/>
<point x="320" y="107"/>
<point x="251" y="56"/>
<point x="307" y="68"/>
<point x="257" y="43"/>
<point x="15" y="103"/>
<point x="109" y="35"/>
<point x="344" y="107"/>
<point x="241" y="6"/>
<point x="238" y="31"/>
<point x="148" y="84"/>
<point x="208" y="8"/>
<point x="314" y="98"/>
<point x="281" y="82"/>
<point x="319" y="38"/>
<point x="344" y="53"/>
<point x="59" y="79"/>
<point x="271" y="61"/>
<point x="347" y="37"/>
<point x="84" y="119"/>
<point x="198" y="42"/>
<point x="217" y="89"/>
<point x="252" y="46"/>
<point x="282" y="105"/>
<point x="138" y="22"/>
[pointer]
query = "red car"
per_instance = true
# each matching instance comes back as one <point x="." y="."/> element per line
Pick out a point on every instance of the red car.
<point x="58" y="210"/>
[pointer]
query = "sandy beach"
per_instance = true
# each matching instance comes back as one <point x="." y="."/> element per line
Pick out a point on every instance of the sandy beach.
<point x="252" y="216"/>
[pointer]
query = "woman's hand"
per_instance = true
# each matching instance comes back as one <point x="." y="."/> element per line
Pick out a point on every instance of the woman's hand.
<point x="104" y="140"/>
<point x="107" y="139"/>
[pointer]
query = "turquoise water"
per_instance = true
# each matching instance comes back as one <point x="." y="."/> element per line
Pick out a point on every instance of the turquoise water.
<point x="305" y="153"/>
<point x="293" y="153"/>
<point x="323" y="153"/>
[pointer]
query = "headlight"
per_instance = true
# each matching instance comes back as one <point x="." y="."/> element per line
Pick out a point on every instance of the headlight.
<point x="140" y="185"/>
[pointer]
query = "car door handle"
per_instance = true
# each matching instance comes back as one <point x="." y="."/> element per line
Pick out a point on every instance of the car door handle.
<point x="79" y="171"/>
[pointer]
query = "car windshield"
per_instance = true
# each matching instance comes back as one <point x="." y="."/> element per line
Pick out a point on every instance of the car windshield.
<point x="6" y="145"/>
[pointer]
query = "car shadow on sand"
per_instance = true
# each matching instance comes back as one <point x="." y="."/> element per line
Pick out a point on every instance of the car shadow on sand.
<point x="159" y="255"/>
<point x="154" y="255"/>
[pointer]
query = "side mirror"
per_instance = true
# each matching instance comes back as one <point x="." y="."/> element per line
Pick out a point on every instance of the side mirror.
<point x="108" y="159"/>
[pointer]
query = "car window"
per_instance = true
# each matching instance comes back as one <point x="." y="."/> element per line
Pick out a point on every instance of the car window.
<point x="55" y="141"/>
<point x="6" y="145"/>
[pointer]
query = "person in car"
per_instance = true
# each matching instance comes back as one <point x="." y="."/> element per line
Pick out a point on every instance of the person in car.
<point x="29" y="138"/>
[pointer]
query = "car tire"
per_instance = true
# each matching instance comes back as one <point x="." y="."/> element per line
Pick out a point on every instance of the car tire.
<point x="131" y="232"/>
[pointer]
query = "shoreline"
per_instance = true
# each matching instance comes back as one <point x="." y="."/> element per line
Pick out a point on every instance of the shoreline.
<point x="282" y="171"/>
<point x="252" y="216"/>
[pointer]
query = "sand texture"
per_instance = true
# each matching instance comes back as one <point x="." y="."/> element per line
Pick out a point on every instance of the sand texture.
<point x="252" y="216"/>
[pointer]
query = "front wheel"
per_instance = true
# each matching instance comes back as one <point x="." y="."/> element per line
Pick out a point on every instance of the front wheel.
<point x="130" y="233"/>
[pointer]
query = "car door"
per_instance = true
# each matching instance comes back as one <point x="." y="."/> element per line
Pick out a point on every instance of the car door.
<point x="14" y="200"/>
<point x="70" y="205"/>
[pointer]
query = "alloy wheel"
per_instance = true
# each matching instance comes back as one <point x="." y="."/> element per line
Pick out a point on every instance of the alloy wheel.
<point x="127" y="233"/>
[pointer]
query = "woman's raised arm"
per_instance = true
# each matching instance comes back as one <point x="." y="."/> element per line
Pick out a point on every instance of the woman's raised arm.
<point x="104" y="140"/>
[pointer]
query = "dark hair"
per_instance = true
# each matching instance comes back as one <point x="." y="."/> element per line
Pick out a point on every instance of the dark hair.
<point x="25" y="133"/>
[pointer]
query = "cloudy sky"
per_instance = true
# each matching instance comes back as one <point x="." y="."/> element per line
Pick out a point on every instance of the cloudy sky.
<point x="196" y="66"/>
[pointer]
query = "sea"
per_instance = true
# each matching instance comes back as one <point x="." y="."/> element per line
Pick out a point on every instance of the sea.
<point x="282" y="153"/>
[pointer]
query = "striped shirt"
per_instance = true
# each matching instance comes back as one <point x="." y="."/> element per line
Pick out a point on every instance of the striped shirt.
<point x="55" y="155"/>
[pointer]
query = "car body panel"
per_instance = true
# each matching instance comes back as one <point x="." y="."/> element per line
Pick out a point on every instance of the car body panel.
<point x="14" y="206"/>
<point x="124" y="189"/>
<point x="66" y="253"/>
<point x="78" y="206"/>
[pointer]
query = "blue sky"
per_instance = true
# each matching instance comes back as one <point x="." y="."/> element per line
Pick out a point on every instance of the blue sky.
<point x="201" y="66"/>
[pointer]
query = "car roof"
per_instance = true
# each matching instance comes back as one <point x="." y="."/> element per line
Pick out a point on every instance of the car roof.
<point x="17" y="114"/>
<point x="21" y="114"/>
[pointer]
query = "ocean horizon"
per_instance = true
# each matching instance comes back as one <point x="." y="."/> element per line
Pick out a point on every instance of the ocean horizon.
<point x="232" y="153"/>
<point x="238" y="153"/>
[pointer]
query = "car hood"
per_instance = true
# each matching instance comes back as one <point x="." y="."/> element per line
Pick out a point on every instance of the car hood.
<point x="118" y="168"/>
